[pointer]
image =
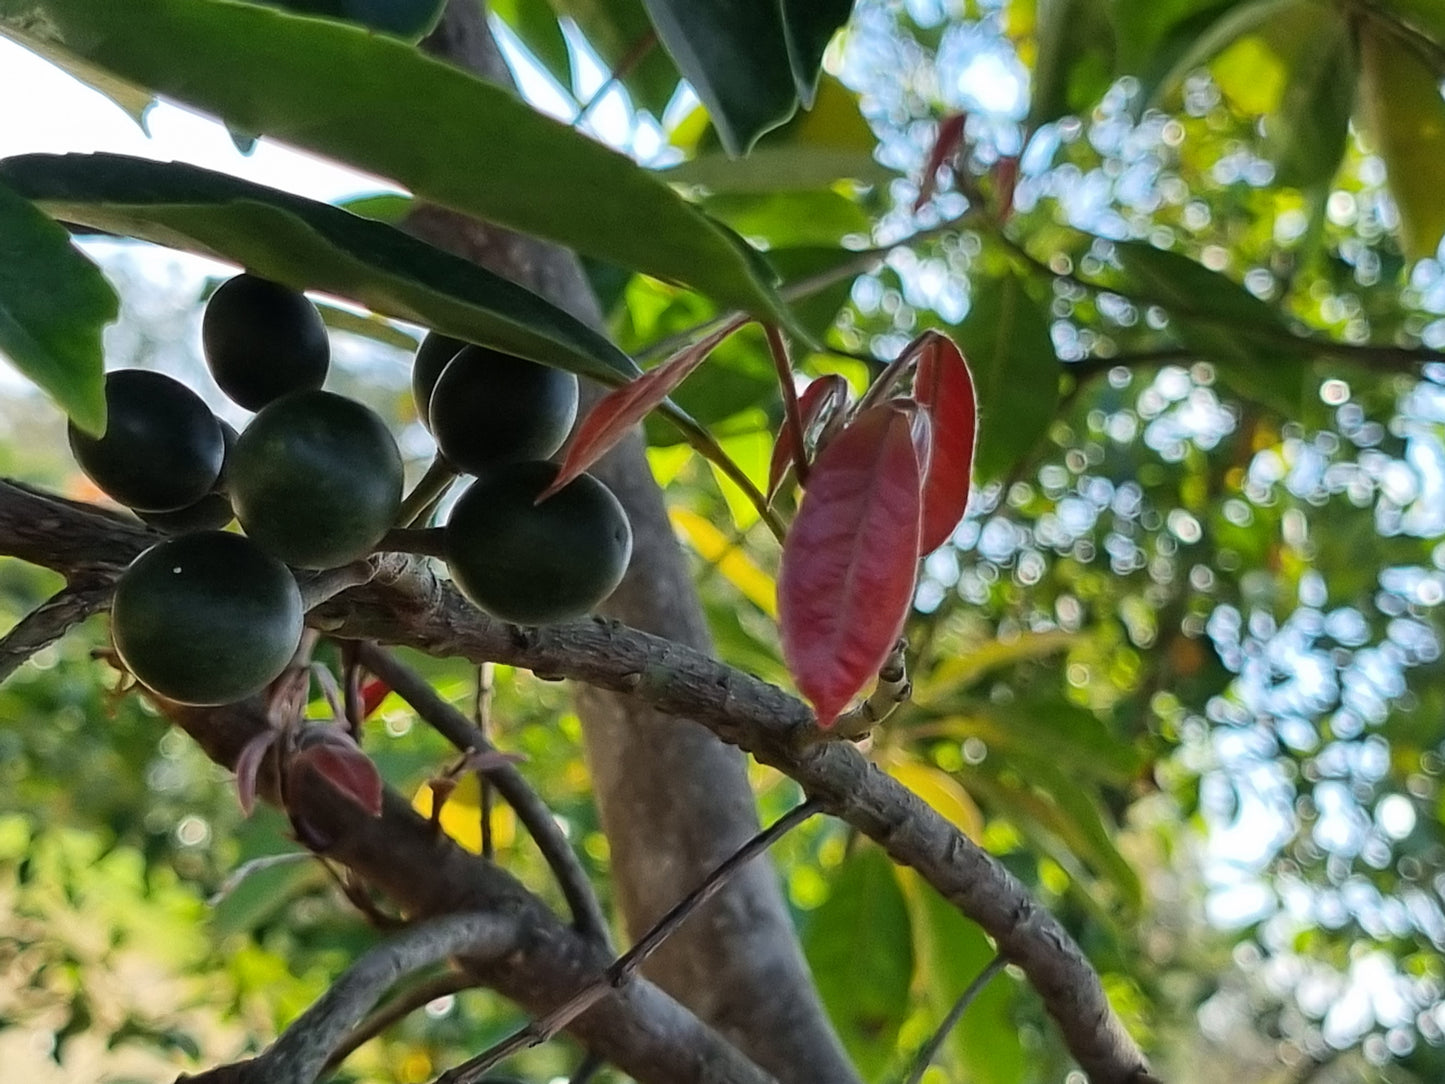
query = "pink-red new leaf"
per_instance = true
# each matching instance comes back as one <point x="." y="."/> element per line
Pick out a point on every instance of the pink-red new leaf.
<point x="819" y="400"/>
<point x="619" y="410"/>
<point x="851" y="559"/>
<point x="944" y="388"/>
<point x="248" y="768"/>
<point x="945" y="145"/>
<point x="346" y="768"/>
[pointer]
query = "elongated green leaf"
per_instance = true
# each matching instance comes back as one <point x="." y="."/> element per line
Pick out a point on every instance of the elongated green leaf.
<point x="735" y="55"/>
<point x="1405" y="116"/>
<point x="859" y="944"/>
<point x="1215" y="31"/>
<point x="622" y="35"/>
<point x="54" y="305"/>
<point x="830" y="142"/>
<point x="407" y="18"/>
<point x="310" y="245"/>
<point x="379" y="104"/>
<point x="132" y="99"/>
<point x="1005" y="338"/>
<point x="535" y="24"/>
<point x="808" y="26"/>
<point x="819" y="217"/>
<point x="1211" y="313"/>
<point x="1075" y="58"/>
<point x="1306" y="136"/>
<point x="952" y="953"/>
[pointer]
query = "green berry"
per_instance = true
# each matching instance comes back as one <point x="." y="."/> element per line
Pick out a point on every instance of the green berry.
<point x="263" y="340"/>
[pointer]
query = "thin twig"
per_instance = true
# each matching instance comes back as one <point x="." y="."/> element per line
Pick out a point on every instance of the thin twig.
<point x="778" y="347"/>
<point x="930" y="1049"/>
<point x="396" y="1010"/>
<point x="531" y="810"/>
<point x="302" y="1051"/>
<point x="51" y="620"/>
<point x="429" y="487"/>
<point x="319" y="587"/>
<point x="482" y="716"/>
<point x="238" y="875"/>
<point x="625" y="966"/>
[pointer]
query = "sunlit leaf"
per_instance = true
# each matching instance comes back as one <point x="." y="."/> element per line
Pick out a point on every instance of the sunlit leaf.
<point x="380" y="104"/>
<point x="728" y="557"/>
<point x="942" y="792"/>
<point x="461" y="815"/>
<point x="54" y="305"/>
<point x="310" y="245"/>
<point x="859" y="945"/>
<point x="817" y="403"/>
<point x="1405" y="117"/>
<point x="850" y="559"/>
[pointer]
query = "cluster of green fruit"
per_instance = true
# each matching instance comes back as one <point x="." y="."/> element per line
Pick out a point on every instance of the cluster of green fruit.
<point x="315" y="480"/>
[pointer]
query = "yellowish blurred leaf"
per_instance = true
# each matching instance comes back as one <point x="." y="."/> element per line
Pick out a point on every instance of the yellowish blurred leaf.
<point x="461" y="816"/>
<point x="727" y="556"/>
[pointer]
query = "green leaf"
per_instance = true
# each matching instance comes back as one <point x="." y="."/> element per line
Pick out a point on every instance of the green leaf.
<point x="535" y="24"/>
<point x="1006" y="339"/>
<point x="410" y="19"/>
<point x="133" y="100"/>
<point x="735" y="55"/>
<point x="819" y="309"/>
<point x="1216" y="30"/>
<point x="310" y="245"/>
<point x="1405" y="117"/>
<point x="1298" y="67"/>
<point x="818" y="217"/>
<point x="1212" y="314"/>
<point x="953" y="952"/>
<point x="380" y="104"/>
<point x="859" y="944"/>
<point x="808" y="26"/>
<point x="54" y="306"/>
<point x="1423" y="16"/>
<point x="828" y="143"/>
<point x="1075" y="58"/>
<point x="622" y="35"/>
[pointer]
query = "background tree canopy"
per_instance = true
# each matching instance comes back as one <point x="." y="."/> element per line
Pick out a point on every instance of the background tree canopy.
<point x="1178" y="672"/>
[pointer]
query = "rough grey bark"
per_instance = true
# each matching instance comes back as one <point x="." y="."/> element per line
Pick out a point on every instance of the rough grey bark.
<point x="674" y="801"/>
<point x="405" y="603"/>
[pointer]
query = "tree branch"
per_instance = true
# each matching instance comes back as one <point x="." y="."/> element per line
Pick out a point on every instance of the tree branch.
<point x="396" y="1010"/>
<point x="51" y="620"/>
<point x="302" y="1052"/>
<point x="406" y="604"/>
<point x="531" y="810"/>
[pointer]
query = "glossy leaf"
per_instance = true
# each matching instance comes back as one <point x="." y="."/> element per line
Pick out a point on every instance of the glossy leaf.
<point x="859" y="945"/>
<point x="310" y="245"/>
<point x="850" y="559"/>
<point x="1404" y="115"/>
<point x="818" y="402"/>
<point x="407" y="18"/>
<point x="1006" y="338"/>
<point x="808" y="26"/>
<point x="380" y="104"/>
<point x="622" y="408"/>
<point x="944" y="388"/>
<point x="54" y="306"/>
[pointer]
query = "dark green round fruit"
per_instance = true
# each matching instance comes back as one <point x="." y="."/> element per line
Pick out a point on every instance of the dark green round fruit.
<point x="489" y="408"/>
<point x="162" y="447"/>
<point x="431" y="358"/>
<point x="211" y="512"/>
<point x="206" y="618"/>
<point x="530" y="563"/>
<point x="316" y="479"/>
<point x="263" y="340"/>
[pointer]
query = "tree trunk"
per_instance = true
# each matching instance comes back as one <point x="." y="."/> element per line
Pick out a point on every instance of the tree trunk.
<point x="674" y="800"/>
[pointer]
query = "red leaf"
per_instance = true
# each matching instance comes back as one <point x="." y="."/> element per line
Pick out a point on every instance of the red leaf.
<point x="851" y="559"/>
<point x="248" y="768"/>
<point x="1006" y="179"/>
<point x="339" y="761"/>
<point x="945" y="145"/>
<point x="819" y="400"/>
<point x="372" y="694"/>
<point x="944" y="389"/>
<point x="619" y="410"/>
